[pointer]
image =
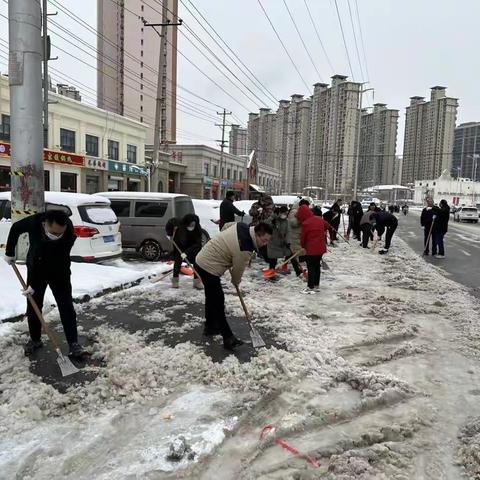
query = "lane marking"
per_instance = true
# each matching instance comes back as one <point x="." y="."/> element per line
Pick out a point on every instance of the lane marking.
<point x="465" y="253"/>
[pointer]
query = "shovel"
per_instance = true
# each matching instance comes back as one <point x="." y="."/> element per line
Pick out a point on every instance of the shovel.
<point x="186" y="260"/>
<point x="257" y="340"/>
<point x="155" y="280"/>
<point x="427" y="245"/>
<point x="65" y="364"/>
<point x="289" y="259"/>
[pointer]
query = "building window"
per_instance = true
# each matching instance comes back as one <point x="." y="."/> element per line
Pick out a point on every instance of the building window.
<point x="46" y="179"/>
<point x="141" y="97"/>
<point x="229" y="171"/>
<point x="206" y="169"/>
<point x="68" y="182"/>
<point x="141" y="108"/>
<point x="141" y="53"/>
<point x="5" y="128"/>
<point x="131" y="154"/>
<point x="67" y="140"/>
<point x="215" y="170"/>
<point x="92" y="183"/>
<point x="141" y="41"/>
<point x="141" y="119"/>
<point x="5" y="179"/>
<point x="91" y="145"/>
<point x="234" y="175"/>
<point x="112" y="150"/>
<point x="240" y="175"/>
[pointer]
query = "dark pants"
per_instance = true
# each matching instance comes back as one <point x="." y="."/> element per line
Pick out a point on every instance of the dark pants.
<point x="426" y="234"/>
<point x="437" y="243"/>
<point x="177" y="263"/>
<point x="215" y="320"/>
<point x="62" y="291"/>
<point x="296" y="266"/>
<point x="335" y="223"/>
<point x="367" y="234"/>
<point x="313" y="265"/>
<point x="389" y="235"/>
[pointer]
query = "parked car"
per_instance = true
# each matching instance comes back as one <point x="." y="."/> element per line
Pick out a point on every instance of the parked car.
<point x="95" y="224"/>
<point x="466" y="214"/>
<point x="143" y="217"/>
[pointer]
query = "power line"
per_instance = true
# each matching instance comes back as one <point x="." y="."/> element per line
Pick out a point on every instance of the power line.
<point x="301" y="39"/>
<point x="284" y="47"/>
<point x="344" y="41"/>
<point x="262" y="86"/>
<point x="318" y="36"/>
<point x="361" y="40"/>
<point x="355" y="39"/>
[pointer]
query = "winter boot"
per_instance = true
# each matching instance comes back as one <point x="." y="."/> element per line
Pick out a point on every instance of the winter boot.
<point x="383" y="252"/>
<point x="31" y="346"/>
<point x="175" y="282"/>
<point x="197" y="284"/>
<point x="308" y="291"/>
<point x="232" y="343"/>
<point x="77" y="351"/>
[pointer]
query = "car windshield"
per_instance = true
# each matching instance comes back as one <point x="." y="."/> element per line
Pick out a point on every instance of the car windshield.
<point x="97" y="214"/>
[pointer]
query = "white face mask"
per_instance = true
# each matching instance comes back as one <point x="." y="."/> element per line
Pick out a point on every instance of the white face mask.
<point x="283" y="217"/>
<point x="51" y="236"/>
<point x="190" y="228"/>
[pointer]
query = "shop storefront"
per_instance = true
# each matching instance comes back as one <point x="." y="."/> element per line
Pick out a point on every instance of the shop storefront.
<point x="238" y="188"/>
<point x="207" y="187"/>
<point x="126" y="177"/>
<point x="95" y="175"/>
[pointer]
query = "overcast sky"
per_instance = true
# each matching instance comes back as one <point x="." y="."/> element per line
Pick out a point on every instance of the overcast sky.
<point x="410" y="46"/>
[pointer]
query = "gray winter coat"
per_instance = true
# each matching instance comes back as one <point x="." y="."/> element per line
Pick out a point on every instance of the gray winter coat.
<point x="295" y="229"/>
<point x="277" y="247"/>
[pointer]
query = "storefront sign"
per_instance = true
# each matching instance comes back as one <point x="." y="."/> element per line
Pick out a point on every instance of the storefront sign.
<point x="4" y="149"/>
<point x="227" y="183"/>
<point x="128" y="168"/>
<point x="63" y="157"/>
<point x="238" y="186"/>
<point x="207" y="180"/>
<point x="96" y="163"/>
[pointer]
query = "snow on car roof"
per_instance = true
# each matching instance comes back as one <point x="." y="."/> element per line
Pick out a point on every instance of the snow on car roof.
<point x="147" y="195"/>
<point x="68" y="199"/>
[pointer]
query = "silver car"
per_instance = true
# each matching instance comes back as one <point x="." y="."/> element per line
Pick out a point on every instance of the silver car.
<point x="143" y="217"/>
<point x="466" y="214"/>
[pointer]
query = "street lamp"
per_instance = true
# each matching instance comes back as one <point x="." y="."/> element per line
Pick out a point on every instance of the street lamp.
<point x="355" y="184"/>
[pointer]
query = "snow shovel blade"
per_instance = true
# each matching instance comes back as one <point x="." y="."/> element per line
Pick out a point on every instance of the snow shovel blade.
<point x="325" y="265"/>
<point x="66" y="365"/>
<point x="257" y="340"/>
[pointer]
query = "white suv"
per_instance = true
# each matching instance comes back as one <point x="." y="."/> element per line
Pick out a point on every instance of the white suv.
<point x="466" y="214"/>
<point x="95" y="224"/>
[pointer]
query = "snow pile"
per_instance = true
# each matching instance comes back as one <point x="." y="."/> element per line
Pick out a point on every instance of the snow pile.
<point x="88" y="280"/>
<point x="208" y="210"/>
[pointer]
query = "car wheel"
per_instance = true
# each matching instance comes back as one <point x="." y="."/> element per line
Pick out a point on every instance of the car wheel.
<point x="151" y="250"/>
<point x="205" y="237"/>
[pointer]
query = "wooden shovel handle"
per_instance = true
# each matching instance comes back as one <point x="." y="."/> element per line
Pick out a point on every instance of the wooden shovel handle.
<point x="34" y="305"/>
<point x="186" y="260"/>
<point x="244" y="306"/>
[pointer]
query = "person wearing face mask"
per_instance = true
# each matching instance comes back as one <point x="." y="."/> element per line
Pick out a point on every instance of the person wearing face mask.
<point x="427" y="219"/>
<point x="188" y="237"/>
<point x="279" y="245"/>
<point x="51" y="237"/>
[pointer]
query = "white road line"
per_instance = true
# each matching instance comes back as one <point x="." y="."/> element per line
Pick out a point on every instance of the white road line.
<point x="466" y="253"/>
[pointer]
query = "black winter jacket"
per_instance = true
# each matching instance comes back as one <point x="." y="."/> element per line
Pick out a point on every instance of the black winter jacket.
<point x="427" y="216"/>
<point x="227" y="212"/>
<point x="383" y="220"/>
<point x="44" y="255"/>
<point x="188" y="242"/>
<point x="441" y="220"/>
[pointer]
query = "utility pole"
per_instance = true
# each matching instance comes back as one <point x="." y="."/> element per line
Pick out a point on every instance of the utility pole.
<point x="25" y="81"/>
<point x="160" y="128"/>
<point x="223" y="143"/>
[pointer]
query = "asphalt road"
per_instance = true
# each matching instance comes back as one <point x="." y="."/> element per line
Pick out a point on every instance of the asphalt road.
<point x="462" y="248"/>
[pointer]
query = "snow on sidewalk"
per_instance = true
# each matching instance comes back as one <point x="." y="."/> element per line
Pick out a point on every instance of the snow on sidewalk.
<point x="376" y="380"/>
<point x="87" y="279"/>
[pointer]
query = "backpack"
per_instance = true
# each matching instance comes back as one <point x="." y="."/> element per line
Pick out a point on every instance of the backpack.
<point x="171" y="225"/>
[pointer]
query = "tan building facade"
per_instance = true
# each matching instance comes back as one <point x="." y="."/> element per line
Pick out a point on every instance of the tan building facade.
<point x="378" y="141"/>
<point x="429" y="136"/>
<point x="237" y="144"/>
<point x="128" y="62"/>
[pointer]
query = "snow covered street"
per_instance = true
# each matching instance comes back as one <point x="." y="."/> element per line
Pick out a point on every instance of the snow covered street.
<point x="376" y="377"/>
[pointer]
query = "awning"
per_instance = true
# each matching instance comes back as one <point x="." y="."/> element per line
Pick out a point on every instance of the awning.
<point x="134" y="180"/>
<point x="113" y="177"/>
<point x="256" y="188"/>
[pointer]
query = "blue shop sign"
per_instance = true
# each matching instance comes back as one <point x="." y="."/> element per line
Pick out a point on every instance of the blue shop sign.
<point x="127" y="168"/>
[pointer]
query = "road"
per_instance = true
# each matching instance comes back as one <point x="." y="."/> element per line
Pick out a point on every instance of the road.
<point x="462" y="249"/>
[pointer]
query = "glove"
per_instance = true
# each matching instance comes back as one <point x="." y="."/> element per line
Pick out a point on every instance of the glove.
<point x="29" y="291"/>
<point x="9" y="260"/>
<point x="260" y="210"/>
<point x="184" y="256"/>
<point x="434" y="217"/>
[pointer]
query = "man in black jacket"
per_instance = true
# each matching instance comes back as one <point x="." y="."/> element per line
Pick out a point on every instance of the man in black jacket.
<point x="228" y="210"/>
<point x="427" y="218"/>
<point x="51" y="238"/>
<point x="381" y="221"/>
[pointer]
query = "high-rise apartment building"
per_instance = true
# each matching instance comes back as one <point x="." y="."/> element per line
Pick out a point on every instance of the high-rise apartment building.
<point x="261" y="136"/>
<point x="429" y="135"/>
<point x="128" y="62"/>
<point x="237" y="144"/>
<point x="378" y="140"/>
<point x="334" y="136"/>
<point x="466" y="151"/>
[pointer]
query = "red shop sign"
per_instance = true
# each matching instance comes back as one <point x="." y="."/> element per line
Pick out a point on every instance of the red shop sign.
<point x="4" y="149"/>
<point x="63" y="157"/>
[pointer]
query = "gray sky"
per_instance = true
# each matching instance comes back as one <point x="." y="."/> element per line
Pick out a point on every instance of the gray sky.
<point x="411" y="45"/>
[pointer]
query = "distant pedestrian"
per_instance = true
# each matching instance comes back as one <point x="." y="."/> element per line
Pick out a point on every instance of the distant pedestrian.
<point x="333" y="217"/>
<point x="228" y="210"/>
<point x="382" y="221"/>
<point x="188" y="237"/>
<point x="440" y="228"/>
<point x="426" y="220"/>
<point x="51" y="238"/>
<point x="313" y="240"/>
<point x="232" y="250"/>
<point x="355" y="213"/>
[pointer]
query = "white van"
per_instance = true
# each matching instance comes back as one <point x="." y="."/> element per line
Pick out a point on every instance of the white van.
<point x="95" y="224"/>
